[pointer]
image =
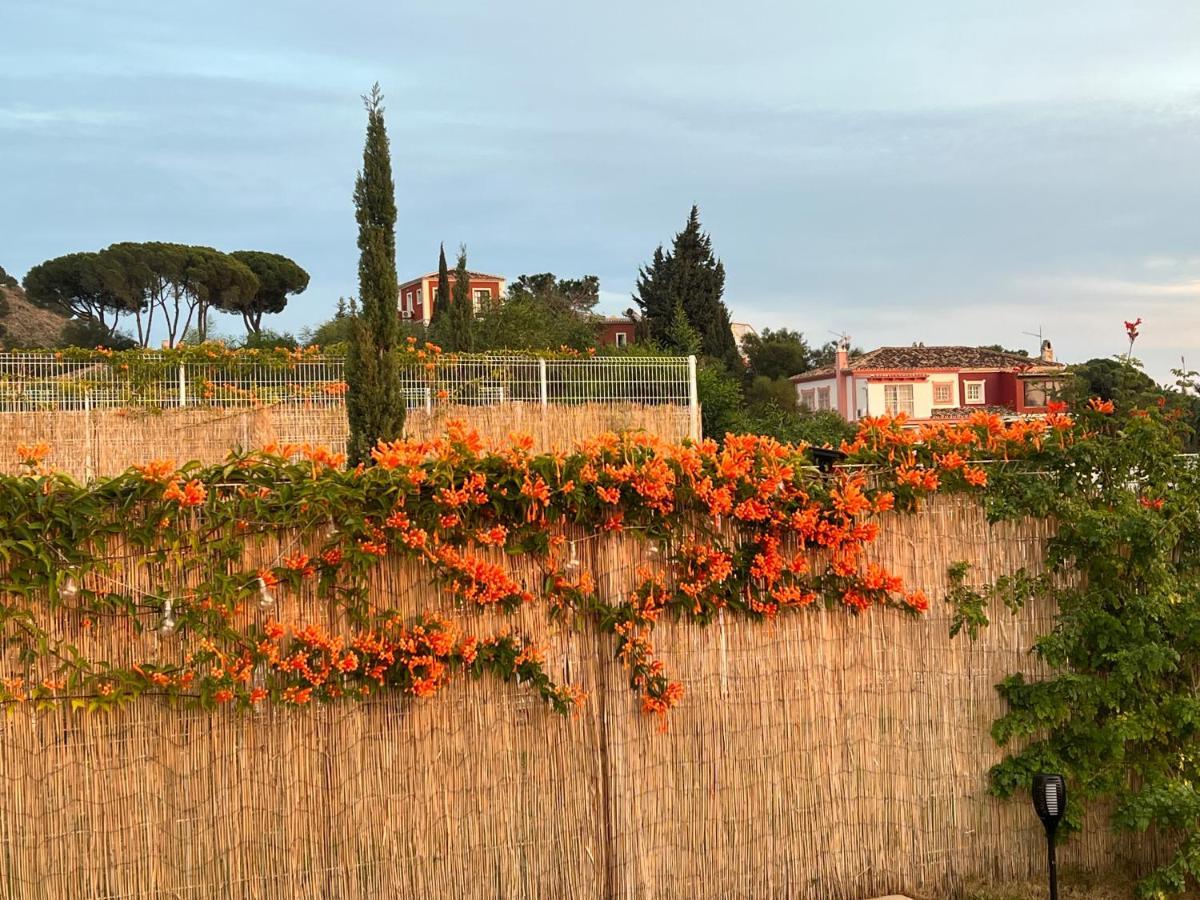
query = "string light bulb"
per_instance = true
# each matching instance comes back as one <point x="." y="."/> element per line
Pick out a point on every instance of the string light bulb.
<point x="572" y="564"/>
<point x="168" y="624"/>
<point x="69" y="589"/>
<point x="265" y="598"/>
<point x="654" y="550"/>
<point x="331" y="530"/>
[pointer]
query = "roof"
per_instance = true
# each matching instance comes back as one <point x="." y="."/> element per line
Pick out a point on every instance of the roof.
<point x="947" y="358"/>
<point x="615" y="320"/>
<point x="469" y="273"/>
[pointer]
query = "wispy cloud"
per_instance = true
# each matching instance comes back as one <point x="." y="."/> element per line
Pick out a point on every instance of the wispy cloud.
<point x="16" y="118"/>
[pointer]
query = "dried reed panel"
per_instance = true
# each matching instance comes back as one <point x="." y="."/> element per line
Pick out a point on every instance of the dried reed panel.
<point x="822" y="756"/>
<point x="95" y="443"/>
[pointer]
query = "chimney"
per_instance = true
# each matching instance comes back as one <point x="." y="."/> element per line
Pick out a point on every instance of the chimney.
<point x="842" y="357"/>
<point x="1047" y="352"/>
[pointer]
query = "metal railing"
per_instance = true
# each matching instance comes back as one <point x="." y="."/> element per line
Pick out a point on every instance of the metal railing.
<point x="40" y="382"/>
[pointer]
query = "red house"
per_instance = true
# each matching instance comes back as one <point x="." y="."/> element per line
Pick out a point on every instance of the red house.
<point x="928" y="383"/>
<point x="616" y="331"/>
<point x="417" y="294"/>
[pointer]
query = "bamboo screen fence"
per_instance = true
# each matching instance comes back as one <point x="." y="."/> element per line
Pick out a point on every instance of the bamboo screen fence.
<point x="822" y="756"/>
<point x="94" y="443"/>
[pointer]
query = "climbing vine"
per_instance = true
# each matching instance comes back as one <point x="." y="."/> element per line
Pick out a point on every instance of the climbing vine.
<point x="748" y="528"/>
<point x="1119" y="713"/>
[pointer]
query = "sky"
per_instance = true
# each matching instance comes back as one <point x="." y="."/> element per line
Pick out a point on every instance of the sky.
<point x="949" y="171"/>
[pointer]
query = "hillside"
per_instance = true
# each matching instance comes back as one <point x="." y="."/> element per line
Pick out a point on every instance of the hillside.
<point x="24" y="325"/>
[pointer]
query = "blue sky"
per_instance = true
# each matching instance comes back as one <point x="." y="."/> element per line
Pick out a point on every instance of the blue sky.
<point x="952" y="172"/>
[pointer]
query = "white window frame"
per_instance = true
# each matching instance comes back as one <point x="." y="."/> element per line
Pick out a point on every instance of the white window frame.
<point x="948" y="387"/>
<point x="968" y="387"/>
<point x="480" y="296"/>
<point x="823" y="399"/>
<point x="408" y="304"/>
<point x="808" y="399"/>
<point x="621" y="338"/>
<point x="899" y="404"/>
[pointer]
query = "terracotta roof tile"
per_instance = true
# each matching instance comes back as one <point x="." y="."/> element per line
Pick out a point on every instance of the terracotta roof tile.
<point x="937" y="358"/>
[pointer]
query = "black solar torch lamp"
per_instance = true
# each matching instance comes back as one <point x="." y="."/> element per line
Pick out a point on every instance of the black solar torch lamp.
<point x="1050" y="801"/>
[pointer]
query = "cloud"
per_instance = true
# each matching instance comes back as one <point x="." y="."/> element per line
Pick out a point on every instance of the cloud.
<point x="16" y="118"/>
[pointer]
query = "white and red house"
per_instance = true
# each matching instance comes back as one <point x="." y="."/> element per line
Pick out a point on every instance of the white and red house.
<point x="417" y="294"/>
<point x="931" y="383"/>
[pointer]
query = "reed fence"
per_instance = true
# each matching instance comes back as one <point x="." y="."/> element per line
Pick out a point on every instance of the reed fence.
<point x="99" y="419"/>
<point x="822" y="756"/>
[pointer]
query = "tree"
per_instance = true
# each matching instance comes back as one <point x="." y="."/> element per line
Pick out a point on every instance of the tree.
<point x="1000" y="348"/>
<point x="691" y="275"/>
<point x="528" y="322"/>
<point x="579" y="295"/>
<point x="777" y="354"/>
<point x="77" y="285"/>
<point x="827" y="354"/>
<point x="681" y="336"/>
<point x="173" y="284"/>
<point x="1112" y="379"/>
<point x="375" y="401"/>
<point x="461" y="319"/>
<point x="278" y="279"/>
<point x="338" y="330"/>
<point x="441" y="300"/>
<point x="7" y="280"/>
<point x="216" y="279"/>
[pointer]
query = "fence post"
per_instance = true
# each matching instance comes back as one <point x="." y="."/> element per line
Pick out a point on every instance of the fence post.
<point x="182" y="386"/>
<point x="89" y="464"/>
<point x="693" y="401"/>
<point x="542" y="375"/>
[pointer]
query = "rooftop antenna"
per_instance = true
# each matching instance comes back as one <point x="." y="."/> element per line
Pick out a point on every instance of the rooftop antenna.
<point x="1038" y="334"/>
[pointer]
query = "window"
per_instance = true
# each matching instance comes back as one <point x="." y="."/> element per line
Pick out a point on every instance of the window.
<point x="943" y="393"/>
<point x="898" y="398"/>
<point x="974" y="391"/>
<point x="621" y="338"/>
<point x="823" y="398"/>
<point x="408" y="305"/>
<point x="482" y="296"/>
<point x="1039" y="393"/>
<point x="807" y="398"/>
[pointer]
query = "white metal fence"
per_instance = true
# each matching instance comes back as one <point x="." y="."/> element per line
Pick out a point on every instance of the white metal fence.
<point x="41" y="382"/>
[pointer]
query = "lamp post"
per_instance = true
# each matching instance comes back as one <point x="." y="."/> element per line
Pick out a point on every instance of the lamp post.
<point x="1050" y="802"/>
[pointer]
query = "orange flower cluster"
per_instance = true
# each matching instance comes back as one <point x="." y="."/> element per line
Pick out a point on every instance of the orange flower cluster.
<point x="194" y="493"/>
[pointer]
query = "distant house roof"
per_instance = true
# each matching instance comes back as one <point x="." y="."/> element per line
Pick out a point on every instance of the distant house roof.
<point x="944" y="358"/>
<point x="614" y="320"/>
<point x="469" y="273"/>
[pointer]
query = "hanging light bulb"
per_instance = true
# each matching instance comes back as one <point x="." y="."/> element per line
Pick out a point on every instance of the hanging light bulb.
<point x="69" y="589"/>
<point x="654" y="550"/>
<point x="265" y="598"/>
<point x="572" y="564"/>
<point x="168" y="624"/>
<point x="331" y="530"/>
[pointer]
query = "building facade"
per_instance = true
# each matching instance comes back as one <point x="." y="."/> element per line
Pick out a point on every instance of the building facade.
<point x="931" y="383"/>
<point x="616" y="331"/>
<point x="417" y="295"/>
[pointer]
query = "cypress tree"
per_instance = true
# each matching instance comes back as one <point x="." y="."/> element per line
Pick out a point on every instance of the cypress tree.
<point x="374" y="401"/>
<point x="441" y="303"/>
<point x="692" y="277"/>
<point x="460" y="322"/>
